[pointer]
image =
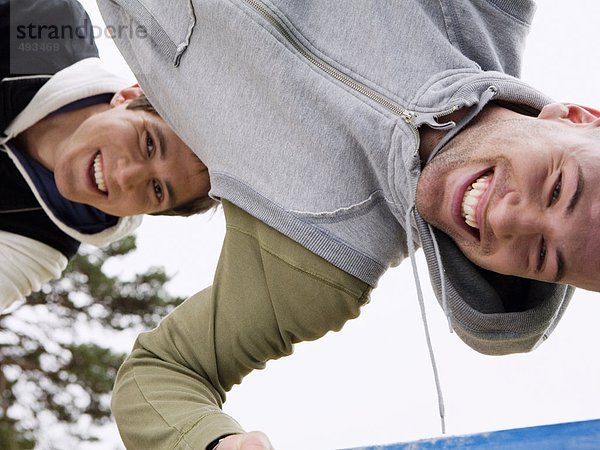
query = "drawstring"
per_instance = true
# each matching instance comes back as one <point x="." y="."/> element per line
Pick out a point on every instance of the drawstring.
<point x="438" y="258"/>
<point x="489" y="93"/>
<point x="411" y="250"/>
<point x="181" y="48"/>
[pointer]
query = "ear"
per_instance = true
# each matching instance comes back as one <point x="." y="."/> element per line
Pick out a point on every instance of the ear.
<point x="569" y="112"/>
<point x="125" y="94"/>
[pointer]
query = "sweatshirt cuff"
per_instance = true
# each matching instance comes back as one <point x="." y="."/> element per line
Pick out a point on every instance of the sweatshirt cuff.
<point x="210" y="429"/>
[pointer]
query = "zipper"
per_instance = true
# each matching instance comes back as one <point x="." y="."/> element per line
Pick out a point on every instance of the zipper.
<point x="408" y="116"/>
<point x="21" y="210"/>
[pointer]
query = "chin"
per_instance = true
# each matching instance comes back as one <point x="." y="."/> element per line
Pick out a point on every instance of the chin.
<point x="68" y="193"/>
<point x="106" y="210"/>
<point x="426" y="204"/>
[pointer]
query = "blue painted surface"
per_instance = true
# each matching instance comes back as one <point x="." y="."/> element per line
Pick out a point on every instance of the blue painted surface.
<point x="564" y="436"/>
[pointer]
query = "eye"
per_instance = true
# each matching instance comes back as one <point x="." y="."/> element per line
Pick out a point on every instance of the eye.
<point x="150" y="147"/>
<point x="556" y="191"/>
<point x="158" y="190"/>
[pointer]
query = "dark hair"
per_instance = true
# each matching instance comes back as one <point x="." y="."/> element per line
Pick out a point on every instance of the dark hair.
<point x="198" y="205"/>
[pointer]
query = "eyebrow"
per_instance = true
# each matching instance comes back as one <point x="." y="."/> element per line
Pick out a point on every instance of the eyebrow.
<point x="560" y="266"/>
<point x="163" y="155"/>
<point x="578" y="192"/>
<point x="560" y="259"/>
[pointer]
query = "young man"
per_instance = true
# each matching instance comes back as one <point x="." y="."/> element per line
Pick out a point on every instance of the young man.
<point x="317" y="120"/>
<point x="82" y="155"/>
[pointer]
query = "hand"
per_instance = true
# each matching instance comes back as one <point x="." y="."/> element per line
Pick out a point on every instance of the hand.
<point x="255" y="440"/>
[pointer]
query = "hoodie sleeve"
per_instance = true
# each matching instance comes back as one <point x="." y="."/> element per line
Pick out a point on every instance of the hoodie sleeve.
<point x="25" y="264"/>
<point x="268" y="293"/>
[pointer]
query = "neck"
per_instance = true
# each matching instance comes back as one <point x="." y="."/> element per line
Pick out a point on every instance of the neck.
<point x="44" y="140"/>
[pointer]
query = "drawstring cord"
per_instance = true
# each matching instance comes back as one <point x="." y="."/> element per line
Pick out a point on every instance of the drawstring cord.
<point x="411" y="250"/>
<point x="488" y="94"/>
<point x="485" y="98"/>
<point x="438" y="258"/>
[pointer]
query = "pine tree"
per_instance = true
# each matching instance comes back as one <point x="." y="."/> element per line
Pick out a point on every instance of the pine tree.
<point x="54" y="369"/>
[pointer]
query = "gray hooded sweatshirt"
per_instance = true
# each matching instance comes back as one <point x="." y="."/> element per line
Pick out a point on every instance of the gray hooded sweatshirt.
<point x="307" y="114"/>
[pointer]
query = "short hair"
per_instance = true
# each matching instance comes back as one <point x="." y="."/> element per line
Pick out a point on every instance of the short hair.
<point x="195" y="206"/>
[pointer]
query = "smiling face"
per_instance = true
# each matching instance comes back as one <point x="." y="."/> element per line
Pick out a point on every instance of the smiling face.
<point x="126" y="162"/>
<point x="521" y="196"/>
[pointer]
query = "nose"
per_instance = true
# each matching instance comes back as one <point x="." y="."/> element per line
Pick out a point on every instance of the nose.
<point x="129" y="174"/>
<point x="514" y="217"/>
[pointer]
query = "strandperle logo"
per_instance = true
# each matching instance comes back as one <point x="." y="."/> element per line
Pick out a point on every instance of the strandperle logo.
<point x="41" y="43"/>
<point x="86" y="31"/>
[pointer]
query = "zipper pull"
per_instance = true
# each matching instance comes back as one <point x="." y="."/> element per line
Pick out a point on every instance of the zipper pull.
<point x="409" y="117"/>
<point x="430" y="119"/>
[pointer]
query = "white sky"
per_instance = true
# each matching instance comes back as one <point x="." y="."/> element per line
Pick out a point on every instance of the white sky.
<point x="372" y="382"/>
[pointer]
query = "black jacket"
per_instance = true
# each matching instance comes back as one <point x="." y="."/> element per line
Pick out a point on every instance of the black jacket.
<point x="38" y="38"/>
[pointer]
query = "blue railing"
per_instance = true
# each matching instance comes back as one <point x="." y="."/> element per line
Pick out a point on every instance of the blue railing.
<point x="564" y="436"/>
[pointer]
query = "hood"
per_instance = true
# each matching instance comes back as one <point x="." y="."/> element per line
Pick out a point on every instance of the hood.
<point x="494" y="314"/>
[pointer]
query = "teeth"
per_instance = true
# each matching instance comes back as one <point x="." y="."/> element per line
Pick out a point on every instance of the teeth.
<point x="99" y="174"/>
<point x="471" y="200"/>
<point x="471" y="223"/>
